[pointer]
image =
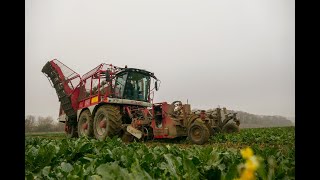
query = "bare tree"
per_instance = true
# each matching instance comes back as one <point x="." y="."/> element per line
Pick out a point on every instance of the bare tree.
<point x="58" y="127"/>
<point x="45" y="124"/>
<point x="30" y="123"/>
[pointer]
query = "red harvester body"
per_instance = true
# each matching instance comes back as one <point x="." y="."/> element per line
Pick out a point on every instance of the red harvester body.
<point x="114" y="101"/>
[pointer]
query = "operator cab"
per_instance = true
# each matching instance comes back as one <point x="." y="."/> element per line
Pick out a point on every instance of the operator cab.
<point x="134" y="84"/>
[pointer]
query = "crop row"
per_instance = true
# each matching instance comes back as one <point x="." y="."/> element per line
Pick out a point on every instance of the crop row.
<point x="91" y="159"/>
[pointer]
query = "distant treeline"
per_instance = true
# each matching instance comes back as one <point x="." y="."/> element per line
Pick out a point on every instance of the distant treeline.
<point x="248" y="120"/>
<point x="42" y="124"/>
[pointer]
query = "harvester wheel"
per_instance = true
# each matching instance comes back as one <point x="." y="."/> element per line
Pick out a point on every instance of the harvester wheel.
<point x="198" y="133"/>
<point x="71" y="130"/>
<point x="107" y="122"/>
<point x="230" y="128"/>
<point x="85" y="124"/>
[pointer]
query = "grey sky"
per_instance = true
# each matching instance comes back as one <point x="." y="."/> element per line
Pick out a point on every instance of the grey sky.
<point x="238" y="54"/>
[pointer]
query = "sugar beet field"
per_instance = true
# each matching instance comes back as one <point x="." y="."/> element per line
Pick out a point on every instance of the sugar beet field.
<point x="262" y="153"/>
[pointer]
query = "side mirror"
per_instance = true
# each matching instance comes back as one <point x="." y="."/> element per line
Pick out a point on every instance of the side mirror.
<point x="156" y="85"/>
<point x="107" y="76"/>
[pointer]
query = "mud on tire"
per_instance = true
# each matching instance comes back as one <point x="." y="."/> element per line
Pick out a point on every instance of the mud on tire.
<point x="107" y="122"/>
<point x="198" y="133"/>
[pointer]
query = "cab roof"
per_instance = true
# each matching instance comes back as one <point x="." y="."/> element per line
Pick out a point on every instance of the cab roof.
<point x="138" y="71"/>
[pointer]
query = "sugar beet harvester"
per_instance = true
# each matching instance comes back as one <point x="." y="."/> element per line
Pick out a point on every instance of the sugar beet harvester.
<point x="113" y="101"/>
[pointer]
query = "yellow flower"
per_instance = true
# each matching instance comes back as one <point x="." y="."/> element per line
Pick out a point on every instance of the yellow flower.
<point x="252" y="163"/>
<point x="250" y="166"/>
<point x="246" y="153"/>
<point x="247" y="175"/>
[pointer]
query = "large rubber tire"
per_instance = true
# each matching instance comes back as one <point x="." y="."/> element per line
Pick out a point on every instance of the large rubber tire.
<point x="198" y="133"/>
<point x="107" y="122"/>
<point x="85" y="124"/>
<point x="230" y="128"/>
<point x="71" y="130"/>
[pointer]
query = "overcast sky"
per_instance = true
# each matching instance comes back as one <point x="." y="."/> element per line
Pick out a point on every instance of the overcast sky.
<point x="234" y="53"/>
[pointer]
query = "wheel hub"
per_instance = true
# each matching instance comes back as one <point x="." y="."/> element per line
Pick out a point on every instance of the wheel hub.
<point x="196" y="133"/>
<point x="85" y="126"/>
<point x="102" y="124"/>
